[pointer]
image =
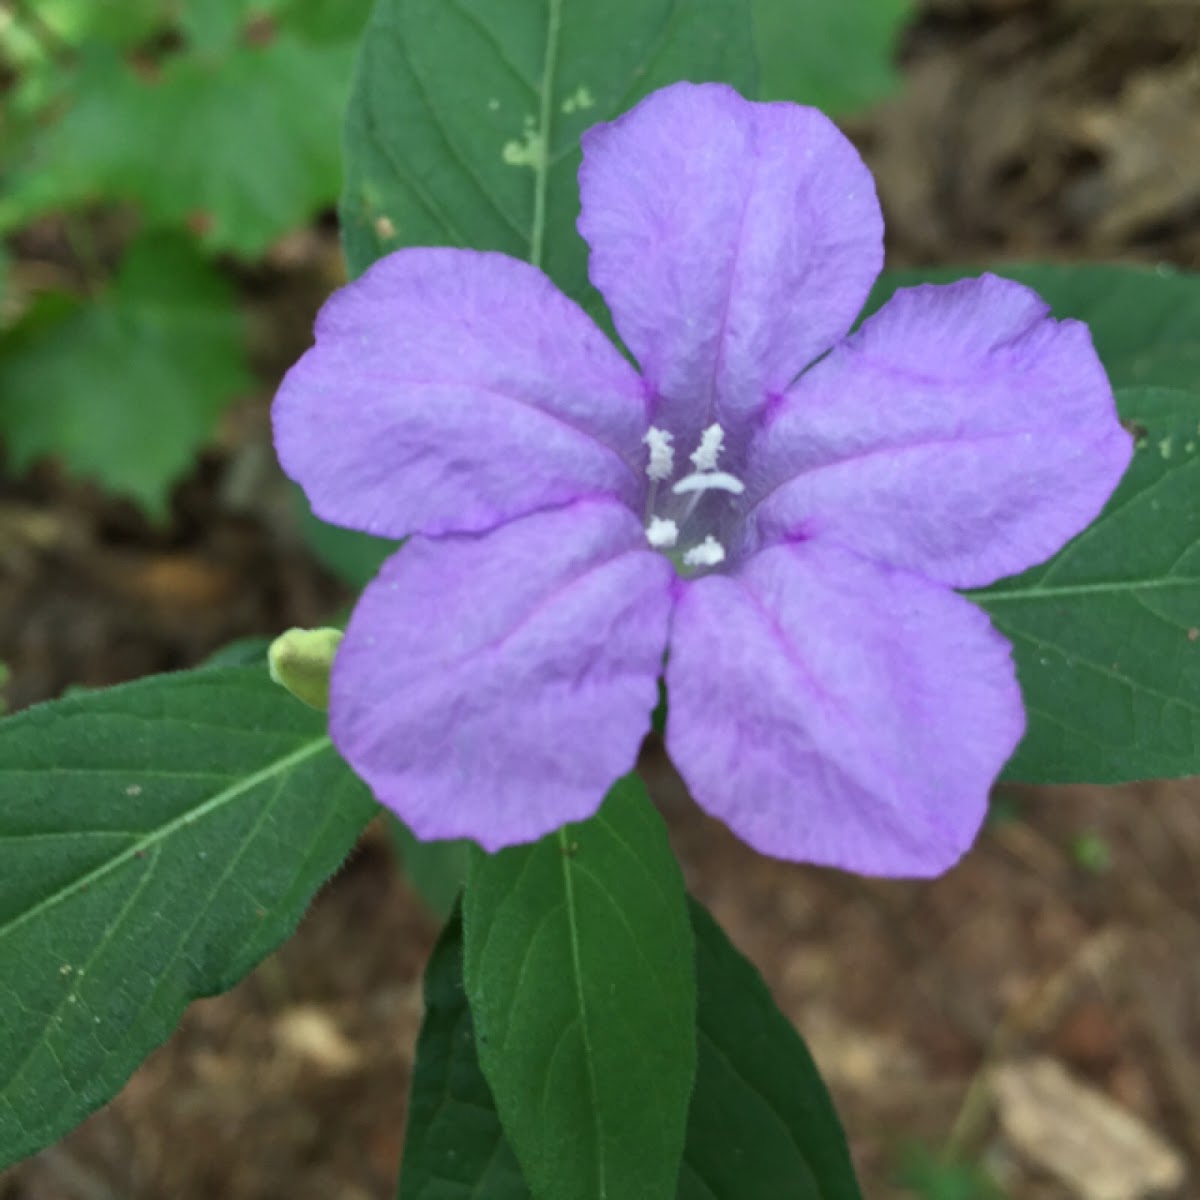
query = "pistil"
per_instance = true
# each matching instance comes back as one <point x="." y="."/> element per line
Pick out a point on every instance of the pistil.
<point x="704" y="481"/>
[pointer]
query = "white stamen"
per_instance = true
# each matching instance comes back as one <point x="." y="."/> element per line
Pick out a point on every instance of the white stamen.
<point x="707" y="554"/>
<point x="703" y="481"/>
<point x="662" y="454"/>
<point x="662" y="533"/>
<point x="705" y="457"/>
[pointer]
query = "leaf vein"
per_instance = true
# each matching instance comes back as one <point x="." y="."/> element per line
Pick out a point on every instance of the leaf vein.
<point x="156" y="837"/>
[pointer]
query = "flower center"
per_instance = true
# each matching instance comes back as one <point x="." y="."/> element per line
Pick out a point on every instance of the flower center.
<point x="680" y="521"/>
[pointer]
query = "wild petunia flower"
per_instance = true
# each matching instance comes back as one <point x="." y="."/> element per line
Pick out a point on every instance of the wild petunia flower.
<point x="775" y="507"/>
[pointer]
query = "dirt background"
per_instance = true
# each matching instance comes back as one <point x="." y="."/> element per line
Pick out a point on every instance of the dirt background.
<point x="1064" y="953"/>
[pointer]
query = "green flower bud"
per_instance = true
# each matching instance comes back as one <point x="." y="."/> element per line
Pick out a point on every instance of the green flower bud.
<point x="300" y="661"/>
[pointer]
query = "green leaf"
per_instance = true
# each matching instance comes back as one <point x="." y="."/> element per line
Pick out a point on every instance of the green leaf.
<point x="263" y="121"/>
<point x="436" y="870"/>
<point x="212" y="28"/>
<point x="1107" y="634"/>
<point x="454" y="1145"/>
<point x="761" y="1125"/>
<point x="835" y="54"/>
<point x="78" y="136"/>
<point x="250" y="651"/>
<point x="323" y="21"/>
<point x="156" y="841"/>
<point x="579" y="974"/>
<point x="1145" y="321"/>
<point x="127" y="389"/>
<point x="355" y="557"/>
<point x="464" y="119"/>
<point x="74" y="22"/>
<point x="262" y="152"/>
<point x="931" y="1177"/>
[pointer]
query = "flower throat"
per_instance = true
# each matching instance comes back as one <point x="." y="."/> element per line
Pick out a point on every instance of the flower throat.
<point x="677" y="530"/>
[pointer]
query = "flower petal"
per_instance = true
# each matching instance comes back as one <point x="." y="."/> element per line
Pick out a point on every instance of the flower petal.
<point x="834" y="711"/>
<point x="495" y="686"/>
<point x="451" y="390"/>
<point x="961" y="433"/>
<point x="734" y="243"/>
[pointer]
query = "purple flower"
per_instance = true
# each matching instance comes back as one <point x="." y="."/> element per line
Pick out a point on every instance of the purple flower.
<point x="779" y="509"/>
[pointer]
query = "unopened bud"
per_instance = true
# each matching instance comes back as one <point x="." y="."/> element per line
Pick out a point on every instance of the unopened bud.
<point x="301" y="659"/>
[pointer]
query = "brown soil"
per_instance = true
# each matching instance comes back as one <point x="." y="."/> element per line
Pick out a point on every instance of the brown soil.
<point x="1061" y="129"/>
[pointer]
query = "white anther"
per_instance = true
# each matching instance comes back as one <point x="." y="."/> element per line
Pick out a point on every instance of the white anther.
<point x="662" y="454"/>
<point x="704" y="481"/>
<point x="662" y="533"/>
<point x="705" y="457"/>
<point x="707" y="554"/>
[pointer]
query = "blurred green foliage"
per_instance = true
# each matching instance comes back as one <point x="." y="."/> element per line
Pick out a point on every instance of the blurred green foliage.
<point x="142" y="139"/>
<point x="925" y="1174"/>
<point x="124" y="387"/>
<point x="1090" y="851"/>
<point x="192" y="128"/>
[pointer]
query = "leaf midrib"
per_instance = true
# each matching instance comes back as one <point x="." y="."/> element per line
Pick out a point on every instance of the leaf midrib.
<point x="577" y="977"/>
<point x="541" y="172"/>
<point x="987" y="599"/>
<point x="156" y="837"/>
